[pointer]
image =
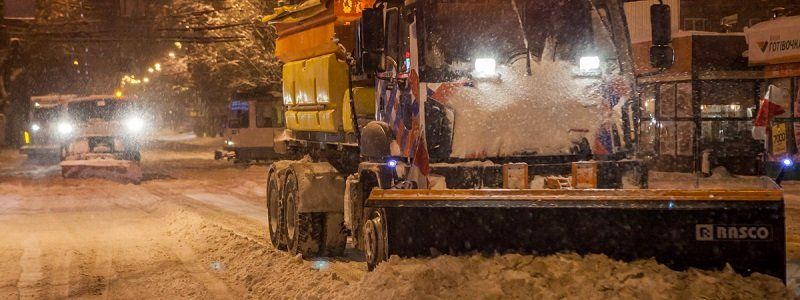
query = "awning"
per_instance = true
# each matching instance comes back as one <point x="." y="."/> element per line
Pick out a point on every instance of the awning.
<point x="774" y="42"/>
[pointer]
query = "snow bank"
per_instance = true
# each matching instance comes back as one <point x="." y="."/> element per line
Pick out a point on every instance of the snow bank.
<point x="559" y="276"/>
<point x="525" y="114"/>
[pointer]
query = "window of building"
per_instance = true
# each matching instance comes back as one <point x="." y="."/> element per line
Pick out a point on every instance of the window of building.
<point x="694" y="24"/>
<point x="666" y="106"/>
<point x="723" y="131"/>
<point x="648" y="102"/>
<point x="727" y="110"/>
<point x="683" y="103"/>
<point x="675" y="119"/>
<point x="647" y="137"/>
<point x="727" y="99"/>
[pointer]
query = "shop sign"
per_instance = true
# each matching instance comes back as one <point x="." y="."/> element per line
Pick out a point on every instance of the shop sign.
<point x="779" y="146"/>
<point x="774" y="42"/>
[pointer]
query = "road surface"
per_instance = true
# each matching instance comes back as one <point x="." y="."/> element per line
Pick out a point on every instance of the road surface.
<point x="195" y="228"/>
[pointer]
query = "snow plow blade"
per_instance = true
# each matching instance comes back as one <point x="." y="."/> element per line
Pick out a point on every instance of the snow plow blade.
<point x="704" y="229"/>
<point x="112" y="169"/>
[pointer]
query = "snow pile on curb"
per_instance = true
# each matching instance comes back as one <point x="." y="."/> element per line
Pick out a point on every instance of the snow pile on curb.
<point x="557" y="276"/>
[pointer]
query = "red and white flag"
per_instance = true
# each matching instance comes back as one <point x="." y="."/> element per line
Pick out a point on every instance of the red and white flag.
<point x="769" y="108"/>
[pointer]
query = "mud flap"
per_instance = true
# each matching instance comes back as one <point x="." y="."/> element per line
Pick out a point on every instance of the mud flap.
<point x="112" y="169"/>
<point x="706" y="230"/>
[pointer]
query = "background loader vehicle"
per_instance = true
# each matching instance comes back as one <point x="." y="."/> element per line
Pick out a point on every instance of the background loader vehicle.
<point x="104" y="135"/>
<point x="255" y="121"/>
<point x="432" y="126"/>
<point x="40" y="138"/>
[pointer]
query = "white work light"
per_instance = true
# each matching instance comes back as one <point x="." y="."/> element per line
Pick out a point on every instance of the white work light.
<point x="589" y="63"/>
<point x="64" y="128"/>
<point x="134" y="124"/>
<point x="35" y="127"/>
<point x="485" y="66"/>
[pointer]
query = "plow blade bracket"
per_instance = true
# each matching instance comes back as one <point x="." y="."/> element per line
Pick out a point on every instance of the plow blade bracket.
<point x="704" y="229"/>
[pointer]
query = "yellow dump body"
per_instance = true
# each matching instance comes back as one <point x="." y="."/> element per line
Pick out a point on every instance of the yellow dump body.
<point x="311" y="42"/>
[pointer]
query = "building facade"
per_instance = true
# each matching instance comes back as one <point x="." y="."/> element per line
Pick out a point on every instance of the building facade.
<point x="699" y="113"/>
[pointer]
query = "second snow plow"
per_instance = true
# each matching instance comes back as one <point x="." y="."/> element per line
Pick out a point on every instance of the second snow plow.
<point x="103" y="135"/>
<point x="679" y="228"/>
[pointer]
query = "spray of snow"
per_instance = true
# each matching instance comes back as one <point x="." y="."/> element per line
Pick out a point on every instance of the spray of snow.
<point x="525" y="114"/>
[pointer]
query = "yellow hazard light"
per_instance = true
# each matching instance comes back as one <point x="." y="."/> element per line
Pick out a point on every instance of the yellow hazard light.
<point x="27" y="137"/>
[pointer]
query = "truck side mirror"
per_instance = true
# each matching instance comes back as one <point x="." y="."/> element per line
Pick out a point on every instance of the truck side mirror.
<point x="661" y="53"/>
<point x="662" y="57"/>
<point x="373" y="41"/>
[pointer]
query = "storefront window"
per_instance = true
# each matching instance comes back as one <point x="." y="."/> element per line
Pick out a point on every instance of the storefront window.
<point x="685" y="138"/>
<point x="727" y="99"/>
<point x="648" y="99"/>
<point x="666" y="105"/>
<point x="684" y="100"/>
<point x="666" y="131"/>
<point x="726" y="131"/>
<point x="647" y="138"/>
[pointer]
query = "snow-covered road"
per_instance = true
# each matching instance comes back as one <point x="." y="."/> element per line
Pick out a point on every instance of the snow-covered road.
<point x="195" y="228"/>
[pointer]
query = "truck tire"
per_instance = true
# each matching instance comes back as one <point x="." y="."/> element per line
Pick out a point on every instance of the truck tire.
<point x="304" y="231"/>
<point x="375" y="238"/>
<point x="276" y="222"/>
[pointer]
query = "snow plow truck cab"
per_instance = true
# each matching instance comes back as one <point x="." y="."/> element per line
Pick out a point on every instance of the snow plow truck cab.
<point x="425" y="127"/>
<point x="105" y="135"/>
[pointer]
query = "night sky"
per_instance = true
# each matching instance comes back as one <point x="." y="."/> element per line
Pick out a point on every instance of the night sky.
<point x="20" y="8"/>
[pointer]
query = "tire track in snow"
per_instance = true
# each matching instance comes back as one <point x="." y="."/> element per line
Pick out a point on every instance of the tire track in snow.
<point x="31" y="277"/>
<point x="232" y="204"/>
<point x="189" y="262"/>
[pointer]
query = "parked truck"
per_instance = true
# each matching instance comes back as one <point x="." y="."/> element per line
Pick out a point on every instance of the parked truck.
<point x="487" y="126"/>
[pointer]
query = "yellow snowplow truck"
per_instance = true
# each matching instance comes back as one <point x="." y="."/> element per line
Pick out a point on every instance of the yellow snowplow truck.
<point x="435" y="126"/>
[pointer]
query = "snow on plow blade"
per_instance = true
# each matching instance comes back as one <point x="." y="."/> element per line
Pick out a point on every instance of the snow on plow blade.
<point x="112" y="169"/>
<point x="680" y="228"/>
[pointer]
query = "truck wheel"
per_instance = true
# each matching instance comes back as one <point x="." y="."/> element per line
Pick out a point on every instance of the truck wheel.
<point x="375" y="239"/>
<point x="276" y="222"/>
<point x="304" y="231"/>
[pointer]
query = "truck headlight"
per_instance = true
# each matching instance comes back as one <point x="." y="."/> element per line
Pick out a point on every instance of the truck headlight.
<point x="35" y="127"/>
<point x="64" y="128"/>
<point x="134" y="124"/>
<point x="589" y="64"/>
<point x="485" y="66"/>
